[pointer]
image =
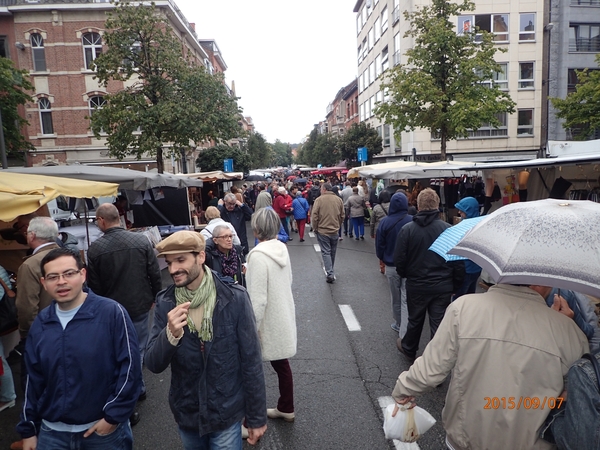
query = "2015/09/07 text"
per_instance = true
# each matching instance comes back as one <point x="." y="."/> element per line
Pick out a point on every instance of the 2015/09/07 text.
<point x="522" y="402"/>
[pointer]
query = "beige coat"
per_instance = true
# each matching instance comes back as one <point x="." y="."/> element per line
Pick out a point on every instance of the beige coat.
<point x="327" y="214"/>
<point x="269" y="281"/>
<point x="506" y="344"/>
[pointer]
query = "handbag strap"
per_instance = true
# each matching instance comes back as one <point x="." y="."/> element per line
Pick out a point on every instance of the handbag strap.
<point x="8" y="290"/>
<point x="595" y="365"/>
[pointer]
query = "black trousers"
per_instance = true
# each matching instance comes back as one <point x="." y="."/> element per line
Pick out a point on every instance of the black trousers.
<point x="418" y="306"/>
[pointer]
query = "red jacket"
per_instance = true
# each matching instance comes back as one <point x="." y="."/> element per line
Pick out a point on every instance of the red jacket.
<point x="279" y="205"/>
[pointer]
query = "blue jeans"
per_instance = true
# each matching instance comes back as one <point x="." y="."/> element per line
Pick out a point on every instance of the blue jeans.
<point x="398" y="295"/>
<point x="140" y="323"/>
<point x="120" y="439"/>
<point x="7" y="384"/>
<point x="229" y="439"/>
<point x="328" y="244"/>
<point x="358" y="223"/>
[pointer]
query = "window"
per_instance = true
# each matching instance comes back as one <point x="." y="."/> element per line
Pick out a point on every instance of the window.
<point x="4" y="47"/>
<point x="46" y="116"/>
<point x="501" y="77"/>
<point x="96" y="102"/>
<point x="384" y="60"/>
<point x="378" y="97"/>
<point x="527" y="27"/>
<point x="526" y="75"/>
<point x="366" y="80"/>
<point x="371" y="39"/>
<point x="379" y="130"/>
<point x="378" y="66"/>
<point x="358" y="24"/>
<point x="397" y="49"/>
<point x="92" y="48"/>
<point x="39" y="55"/>
<point x="377" y="28"/>
<point x="497" y="24"/>
<point x="364" y="16"/>
<point x="361" y="86"/>
<point x="386" y="135"/>
<point x="384" y="19"/>
<point x="584" y="38"/>
<point x="365" y="48"/>
<point x="525" y="124"/>
<point x="368" y="109"/>
<point x="487" y="130"/>
<point x="372" y="105"/>
<point x="359" y="54"/>
<point x="396" y="12"/>
<point x="136" y="49"/>
<point x="362" y="112"/>
<point x="371" y="72"/>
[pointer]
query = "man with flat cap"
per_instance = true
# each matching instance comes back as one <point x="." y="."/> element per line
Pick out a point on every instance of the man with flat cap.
<point x="205" y="330"/>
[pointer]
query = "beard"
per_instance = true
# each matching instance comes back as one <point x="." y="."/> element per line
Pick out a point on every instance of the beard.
<point x="191" y="276"/>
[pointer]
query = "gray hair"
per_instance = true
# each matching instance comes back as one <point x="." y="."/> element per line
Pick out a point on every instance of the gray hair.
<point x="428" y="200"/>
<point x="230" y="196"/>
<point x="45" y="228"/>
<point x="265" y="224"/>
<point x="327" y="186"/>
<point x="218" y="230"/>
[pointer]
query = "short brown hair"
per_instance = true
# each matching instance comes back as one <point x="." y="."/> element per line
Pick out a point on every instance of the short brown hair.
<point x="428" y="200"/>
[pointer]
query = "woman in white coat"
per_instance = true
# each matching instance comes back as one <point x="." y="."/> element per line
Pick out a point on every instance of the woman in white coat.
<point x="269" y="282"/>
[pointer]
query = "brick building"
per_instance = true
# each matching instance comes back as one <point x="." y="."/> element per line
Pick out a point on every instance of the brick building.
<point x="56" y="42"/>
<point x="342" y="112"/>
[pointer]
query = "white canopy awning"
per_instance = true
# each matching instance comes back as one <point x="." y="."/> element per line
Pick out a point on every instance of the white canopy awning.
<point x="401" y="170"/>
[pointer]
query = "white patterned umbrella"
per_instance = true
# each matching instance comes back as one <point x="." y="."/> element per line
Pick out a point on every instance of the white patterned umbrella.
<point x="547" y="242"/>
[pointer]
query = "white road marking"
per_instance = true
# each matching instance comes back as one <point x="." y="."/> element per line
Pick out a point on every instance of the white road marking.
<point x="399" y="445"/>
<point x="317" y="247"/>
<point x="311" y="234"/>
<point x="350" y="318"/>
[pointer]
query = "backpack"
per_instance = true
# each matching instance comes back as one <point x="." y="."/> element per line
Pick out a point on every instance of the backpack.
<point x="582" y="407"/>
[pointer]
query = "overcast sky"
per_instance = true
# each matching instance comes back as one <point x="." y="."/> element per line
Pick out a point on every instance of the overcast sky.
<point x="288" y="58"/>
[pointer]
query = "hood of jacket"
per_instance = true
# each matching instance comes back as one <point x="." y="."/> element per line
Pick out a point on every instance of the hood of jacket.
<point x="425" y="218"/>
<point x="274" y="249"/>
<point x="398" y="204"/>
<point x="470" y="206"/>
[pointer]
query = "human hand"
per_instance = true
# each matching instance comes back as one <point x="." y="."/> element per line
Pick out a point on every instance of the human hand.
<point x="561" y="305"/>
<point x="30" y="443"/>
<point x="254" y="434"/>
<point x="102" y="428"/>
<point x="403" y="401"/>
<point x="177" y="319"/>
<point x="238" y="203"/>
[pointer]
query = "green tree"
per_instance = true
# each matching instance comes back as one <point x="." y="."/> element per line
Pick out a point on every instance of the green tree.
<point x="440" y="88"/>
<point x="14" y="85"/>
<point x="259" y="151"/>
<point x="360" y="135"/>
<point x="282" y="154"/>
<point x="212" y="158"/>
<point x="166" y="99"/>
<point x="581" y="109"/>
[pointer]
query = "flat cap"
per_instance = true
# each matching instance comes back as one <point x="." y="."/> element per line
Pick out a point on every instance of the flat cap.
<point x="181" y="242"/>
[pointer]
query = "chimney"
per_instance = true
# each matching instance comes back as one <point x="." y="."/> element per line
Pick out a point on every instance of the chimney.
<point x="193" y="26"/>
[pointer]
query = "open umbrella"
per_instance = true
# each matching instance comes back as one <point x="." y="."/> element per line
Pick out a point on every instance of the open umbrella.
<point x="255" y="178"/>
<point x="300" y="181"/>
<point x="547" y="242"/>
<point x="452" y="236"/>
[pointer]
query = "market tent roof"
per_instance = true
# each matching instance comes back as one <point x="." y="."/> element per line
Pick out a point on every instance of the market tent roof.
<point x="401" y="170"/>
<point x="327" y="170"/>
<point x="24" y="194"/>
<point x="213" y="176"/>
<point x="539" y="162"/>
<point x="125" y="178"/>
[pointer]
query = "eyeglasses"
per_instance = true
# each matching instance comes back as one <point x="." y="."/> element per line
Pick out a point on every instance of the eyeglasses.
<point x="230" y="204"/>
<point x="68" y="275"/>
<point x="229" y="237"/>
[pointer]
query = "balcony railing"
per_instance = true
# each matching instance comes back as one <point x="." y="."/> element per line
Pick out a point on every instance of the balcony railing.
<point x="7" y="2"/>
<point x="584" y="45"/>
<point x="52" y="2"/>
<point x="586" y="2"/>
<point x="397" y="57"/>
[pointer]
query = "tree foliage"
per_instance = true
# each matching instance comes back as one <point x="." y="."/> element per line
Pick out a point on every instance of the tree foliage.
<point x="167" y="98"/>
<point x="360" y="135"/>
<point x="212" y="158"/>
<point x="282" y="154"/>
<point x="581" y="109"/>
<point x="258" y="150"/>
<point x="320" y="149"/>
<point x="14" y="85"/>
<point x="440" y="87"/>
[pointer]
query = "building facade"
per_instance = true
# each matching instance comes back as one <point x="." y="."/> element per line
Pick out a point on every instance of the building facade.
<point x="57" y="42"/>
<point x="520" y="27"/>
<point x="342" y="112"/>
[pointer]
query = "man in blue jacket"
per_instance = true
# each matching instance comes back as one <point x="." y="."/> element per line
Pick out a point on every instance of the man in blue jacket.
<point x="387" y="232"/>
<point x="204" y="328"/>
<point x="83" y="365"/>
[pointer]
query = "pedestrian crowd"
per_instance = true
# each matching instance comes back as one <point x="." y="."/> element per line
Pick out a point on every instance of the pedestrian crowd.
<point x="86" y="329"/>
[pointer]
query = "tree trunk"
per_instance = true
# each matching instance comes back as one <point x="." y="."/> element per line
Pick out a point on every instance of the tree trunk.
<point x="160" y="164"/>
<point x="443" y="146"/>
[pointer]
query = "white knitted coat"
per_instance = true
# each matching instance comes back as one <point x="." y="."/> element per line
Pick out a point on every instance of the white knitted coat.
<point x="269" y="281"/>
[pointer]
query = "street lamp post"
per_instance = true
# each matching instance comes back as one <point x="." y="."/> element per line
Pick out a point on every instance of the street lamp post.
<point x="2" y="144"/>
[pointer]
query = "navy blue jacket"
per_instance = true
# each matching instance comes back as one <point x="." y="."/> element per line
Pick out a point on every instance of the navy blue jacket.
<point x="213" y="384"/>
<point x="88" y="371"/>
<point x="390" y="226"/>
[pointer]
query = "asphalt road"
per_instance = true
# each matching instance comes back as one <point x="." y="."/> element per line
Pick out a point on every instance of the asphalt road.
<point x="342" y="378"/>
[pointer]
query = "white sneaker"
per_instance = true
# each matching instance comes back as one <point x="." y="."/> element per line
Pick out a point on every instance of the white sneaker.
<point x="274" y="413"/>
<point x="244" y="432"/>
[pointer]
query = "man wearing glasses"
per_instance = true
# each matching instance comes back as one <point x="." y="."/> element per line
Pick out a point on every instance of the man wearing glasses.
<point x="84" y="372"/>
<point x="236" y="213"/>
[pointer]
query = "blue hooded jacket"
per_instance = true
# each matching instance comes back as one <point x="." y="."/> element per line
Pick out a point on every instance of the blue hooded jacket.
<point x="470" y="206"/>
<point x="390" y="226"/>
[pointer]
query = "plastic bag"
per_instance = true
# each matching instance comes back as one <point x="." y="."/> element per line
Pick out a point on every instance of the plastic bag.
<point x="408" y="425"/>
